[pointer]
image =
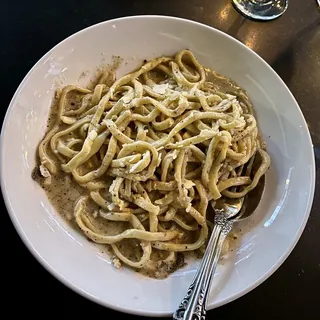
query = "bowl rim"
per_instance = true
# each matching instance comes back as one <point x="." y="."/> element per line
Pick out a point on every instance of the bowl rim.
<point x="78" y="290"/>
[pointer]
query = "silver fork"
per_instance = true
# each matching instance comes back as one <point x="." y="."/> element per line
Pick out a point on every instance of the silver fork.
<point x="193" y="305"/>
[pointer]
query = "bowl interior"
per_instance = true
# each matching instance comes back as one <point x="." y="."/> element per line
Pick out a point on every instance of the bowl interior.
<point x="267" y="238"/>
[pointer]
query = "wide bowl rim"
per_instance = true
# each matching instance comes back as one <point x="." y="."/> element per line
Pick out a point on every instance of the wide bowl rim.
<point x="78" y="290"/>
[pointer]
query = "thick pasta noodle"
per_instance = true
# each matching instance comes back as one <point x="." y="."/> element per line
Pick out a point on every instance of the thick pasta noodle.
<point x="147" y="154"/>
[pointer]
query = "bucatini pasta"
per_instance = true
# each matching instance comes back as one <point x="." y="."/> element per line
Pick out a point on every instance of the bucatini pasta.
<point x="141" y="158"/>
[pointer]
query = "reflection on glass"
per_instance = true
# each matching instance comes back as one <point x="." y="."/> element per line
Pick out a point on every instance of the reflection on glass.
<point x="261" y="9"/>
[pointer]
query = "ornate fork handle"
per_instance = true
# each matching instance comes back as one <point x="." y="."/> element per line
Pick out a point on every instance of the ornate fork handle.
<point x="193" y="305"/>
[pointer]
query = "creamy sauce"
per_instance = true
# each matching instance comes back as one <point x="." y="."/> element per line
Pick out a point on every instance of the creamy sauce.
<point x="63" y="193"/>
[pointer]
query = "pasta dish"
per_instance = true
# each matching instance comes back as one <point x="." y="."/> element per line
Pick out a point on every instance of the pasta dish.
<point x="135" y="163"/>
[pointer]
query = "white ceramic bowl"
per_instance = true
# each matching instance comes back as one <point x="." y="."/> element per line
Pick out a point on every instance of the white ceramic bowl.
<point x="281" y="216"/>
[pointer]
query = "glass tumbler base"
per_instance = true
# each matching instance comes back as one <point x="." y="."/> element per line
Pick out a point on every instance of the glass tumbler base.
<point x="261" y="10"/>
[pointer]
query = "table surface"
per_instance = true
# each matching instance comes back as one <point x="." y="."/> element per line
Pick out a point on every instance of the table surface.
<point x="290" y="44"/>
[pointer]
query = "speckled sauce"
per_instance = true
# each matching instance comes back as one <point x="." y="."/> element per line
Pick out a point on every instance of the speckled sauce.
<point x="63" y="192"/>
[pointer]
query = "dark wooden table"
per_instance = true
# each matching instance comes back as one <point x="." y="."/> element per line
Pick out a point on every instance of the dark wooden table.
<point x="290" y="44"/>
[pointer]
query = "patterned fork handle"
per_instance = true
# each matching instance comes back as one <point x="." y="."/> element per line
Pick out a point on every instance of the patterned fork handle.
<point x="193" y="305"/>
